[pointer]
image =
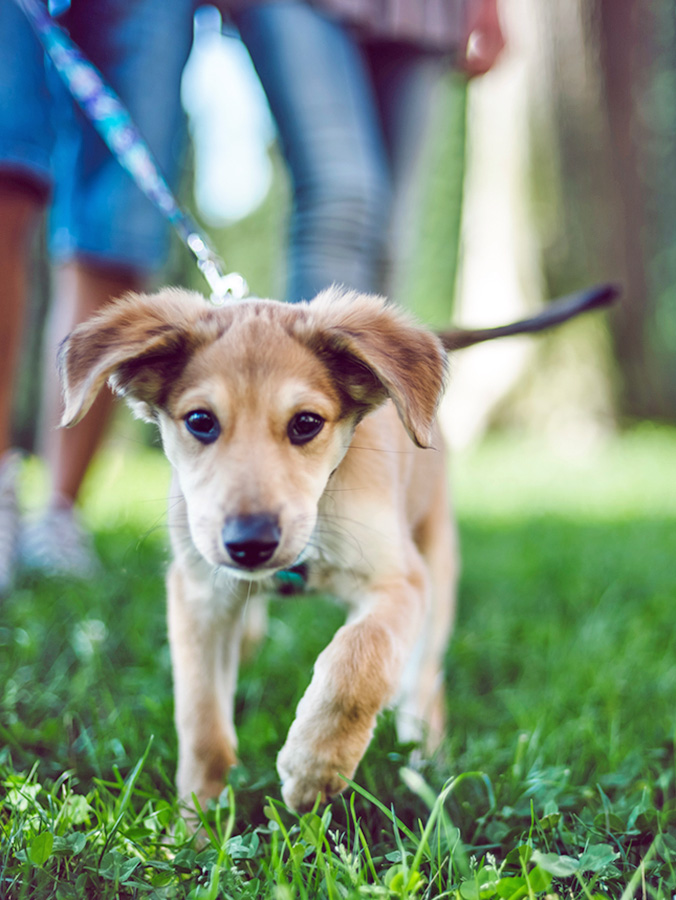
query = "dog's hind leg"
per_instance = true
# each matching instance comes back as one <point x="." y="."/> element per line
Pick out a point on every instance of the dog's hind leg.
<point x="421" y="708"/>
<point x="205" y="656"/>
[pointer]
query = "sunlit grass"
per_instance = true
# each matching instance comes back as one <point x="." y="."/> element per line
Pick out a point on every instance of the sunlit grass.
<point x="613" y="478"/>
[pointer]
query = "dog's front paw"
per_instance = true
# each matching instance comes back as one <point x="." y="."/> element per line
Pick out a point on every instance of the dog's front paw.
<point x="302" y="787"/>
<point x="306" y="775"/>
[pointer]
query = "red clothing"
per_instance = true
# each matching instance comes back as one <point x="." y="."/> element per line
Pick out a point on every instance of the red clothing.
<point x="435" y="24"/>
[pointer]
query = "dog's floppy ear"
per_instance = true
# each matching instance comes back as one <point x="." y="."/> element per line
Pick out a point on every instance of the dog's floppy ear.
<point x="375" y="351"/>
<point x="136" y="343"/>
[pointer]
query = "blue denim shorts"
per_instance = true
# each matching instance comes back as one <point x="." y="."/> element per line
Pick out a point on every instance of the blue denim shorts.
<point x="97" y="212"/>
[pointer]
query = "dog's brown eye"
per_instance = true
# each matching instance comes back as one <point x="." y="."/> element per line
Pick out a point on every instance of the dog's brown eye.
<point x="203" y="425"/>
<point x="304" y="426"/>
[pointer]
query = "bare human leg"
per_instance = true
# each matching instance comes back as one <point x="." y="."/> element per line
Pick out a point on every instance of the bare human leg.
<point x="80" y="289"/>
<point x="20" y="209"/>
<point x="56" y="543"/>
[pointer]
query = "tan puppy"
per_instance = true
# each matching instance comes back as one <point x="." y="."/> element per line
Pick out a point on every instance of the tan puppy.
<point x="295" y="433"/>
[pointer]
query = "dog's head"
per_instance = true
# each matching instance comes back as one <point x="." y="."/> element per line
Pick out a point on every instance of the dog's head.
<point x="256" y="402"/>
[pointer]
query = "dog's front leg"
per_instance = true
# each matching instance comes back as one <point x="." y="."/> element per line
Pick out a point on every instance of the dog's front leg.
<point x="354" y="678"/>
<point x="204" y="637"/>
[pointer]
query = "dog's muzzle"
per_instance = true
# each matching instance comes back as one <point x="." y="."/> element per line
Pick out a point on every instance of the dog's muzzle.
<point x="251" y="541"/>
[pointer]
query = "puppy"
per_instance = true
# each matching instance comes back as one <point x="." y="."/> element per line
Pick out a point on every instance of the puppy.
<point x="296" y="434"/>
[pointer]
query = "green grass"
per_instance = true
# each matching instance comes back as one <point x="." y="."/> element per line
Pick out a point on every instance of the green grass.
<point x="558" y="774"/>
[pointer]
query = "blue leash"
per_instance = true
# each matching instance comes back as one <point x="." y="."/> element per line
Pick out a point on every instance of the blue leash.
<point x="111" y="119"/>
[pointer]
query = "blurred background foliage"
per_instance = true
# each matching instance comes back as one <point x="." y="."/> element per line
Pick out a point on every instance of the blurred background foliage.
<point x="552" y="172"/>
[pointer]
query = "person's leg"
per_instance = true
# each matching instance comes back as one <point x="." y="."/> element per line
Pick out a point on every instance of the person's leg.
<point x="319" y="91"/>
<point x="55" y="543"/>
<point x="20" y="211"/>
<point x="79" y="290"/>
<point x="25" y="143"/>
<point x="106" y="237"/>
<point x="406" y="82"/>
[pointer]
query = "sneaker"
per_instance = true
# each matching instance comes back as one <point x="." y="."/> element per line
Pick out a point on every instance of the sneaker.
<point x="9" y="518"/>
<point x="57" y="544"/>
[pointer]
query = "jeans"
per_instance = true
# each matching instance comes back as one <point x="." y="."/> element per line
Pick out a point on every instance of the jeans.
<point x="350" y="116"/>
<point x="97" y="211"/>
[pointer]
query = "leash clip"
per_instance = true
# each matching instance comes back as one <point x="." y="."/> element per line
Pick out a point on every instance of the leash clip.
<point x="224" y="286"/>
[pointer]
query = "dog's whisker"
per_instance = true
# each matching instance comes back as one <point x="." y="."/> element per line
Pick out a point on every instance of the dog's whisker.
<point x="362" y="526"/>
<point x="351" y="490"/>
<point x="383" y="450"/>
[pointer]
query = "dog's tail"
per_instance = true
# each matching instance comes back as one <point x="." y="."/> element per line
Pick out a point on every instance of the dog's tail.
<point x="554" y="313"/>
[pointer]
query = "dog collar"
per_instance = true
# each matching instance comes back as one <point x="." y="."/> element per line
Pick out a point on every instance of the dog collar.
<point x="292" y="580"/>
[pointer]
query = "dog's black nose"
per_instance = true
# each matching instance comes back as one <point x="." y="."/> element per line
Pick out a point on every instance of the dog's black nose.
<point x="251" y="540"/>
